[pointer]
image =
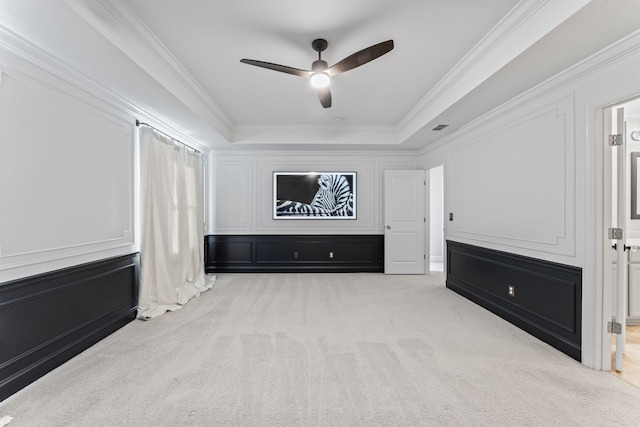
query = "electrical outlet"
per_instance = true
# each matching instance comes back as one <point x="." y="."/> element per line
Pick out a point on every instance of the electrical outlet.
<point x="330" y="254"/>
<point x="511" y="291"/>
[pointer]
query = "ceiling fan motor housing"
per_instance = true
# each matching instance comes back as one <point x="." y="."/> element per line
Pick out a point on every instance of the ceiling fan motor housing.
<point x="319" y="66"/>
<point x="319" y="45"/>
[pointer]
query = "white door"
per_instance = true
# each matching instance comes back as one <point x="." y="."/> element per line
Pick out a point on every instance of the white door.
<point x="615" y="258"/>
<point x="404" y="221"/>
<point x="621" y="256"/>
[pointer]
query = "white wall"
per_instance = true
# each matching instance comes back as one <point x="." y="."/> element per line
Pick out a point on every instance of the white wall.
<point x="242" y="190"/>
<point x="67" y="178"/>
<point x="515" y="178"/>
<point x="511" y="181"/>
<point x="68" y="163"/>
<point x="526" y="178"/>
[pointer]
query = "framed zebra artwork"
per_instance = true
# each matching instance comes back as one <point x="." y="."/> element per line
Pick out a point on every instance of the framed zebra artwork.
<point x="314" y="195"/>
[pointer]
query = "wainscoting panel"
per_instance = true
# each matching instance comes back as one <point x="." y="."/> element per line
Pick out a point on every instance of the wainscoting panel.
<point x="47" y="319"/>
<point x="283" y="253"/>
<point x="540" y="297"/>
<point x="522" y="193"/>
<point x="233" y="201"/>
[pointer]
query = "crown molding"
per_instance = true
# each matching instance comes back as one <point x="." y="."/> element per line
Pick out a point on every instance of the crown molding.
<point x="607" y="57"/>
<point x="115" y="20"/>
<point x="20" y="55"/>
<point x="524" y="25"/>
<point x="315" y="134"/>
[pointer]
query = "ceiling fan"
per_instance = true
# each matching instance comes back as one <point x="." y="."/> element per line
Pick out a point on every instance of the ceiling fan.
<point x="320" y="73"/>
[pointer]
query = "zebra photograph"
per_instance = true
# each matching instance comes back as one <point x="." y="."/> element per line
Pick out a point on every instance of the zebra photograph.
<point x="314" y="195"/>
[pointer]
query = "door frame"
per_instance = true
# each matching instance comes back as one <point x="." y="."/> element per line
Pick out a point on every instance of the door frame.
<point x="428" y="198"/>
<point x="597" y="301"/>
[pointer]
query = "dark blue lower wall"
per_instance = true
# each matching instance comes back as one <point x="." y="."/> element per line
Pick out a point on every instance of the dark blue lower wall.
<point x="294" y="253"/>
<point x="47" y="319"/>
<point x="541" y="297"/>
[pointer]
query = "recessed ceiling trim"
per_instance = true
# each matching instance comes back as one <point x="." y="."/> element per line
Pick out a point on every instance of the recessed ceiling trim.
<point x="313" y="134"/>
<point x="115" y="20"/>
<point x="525" y="24"/>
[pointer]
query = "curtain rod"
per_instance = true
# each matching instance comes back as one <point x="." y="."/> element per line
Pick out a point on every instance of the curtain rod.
<point x="139" y="123"/>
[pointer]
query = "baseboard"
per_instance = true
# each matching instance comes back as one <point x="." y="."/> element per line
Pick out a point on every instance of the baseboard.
<point x="540" y="297"/>
<point x="54" y="316"/>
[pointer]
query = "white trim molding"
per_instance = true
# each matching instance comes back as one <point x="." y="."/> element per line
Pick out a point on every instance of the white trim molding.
<point x="525" y="24"/>
<point x="119" y="23"/>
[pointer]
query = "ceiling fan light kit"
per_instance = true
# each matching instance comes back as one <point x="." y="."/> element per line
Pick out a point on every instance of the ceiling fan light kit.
<point x="320" y="73"/>
<point x="320" y="80"/>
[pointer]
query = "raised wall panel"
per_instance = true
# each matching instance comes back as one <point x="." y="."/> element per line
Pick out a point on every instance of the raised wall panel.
<point x="514" y="183"/>
<point x="49" y="318"/>
<point x="294" y="253"/>
<point x="540" y="297"/>
<point x="66" y="176"/>
<point x="233" y="191"/>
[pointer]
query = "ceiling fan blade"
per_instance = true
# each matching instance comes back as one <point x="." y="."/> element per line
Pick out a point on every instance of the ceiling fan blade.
<point x="324" y="93"/>
<point x="277" y="67"/>
<point x="361" y="57"/>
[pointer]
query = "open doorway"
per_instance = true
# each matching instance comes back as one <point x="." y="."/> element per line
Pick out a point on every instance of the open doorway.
<point x="436" y="216"/>
<point x="623" y="185"/>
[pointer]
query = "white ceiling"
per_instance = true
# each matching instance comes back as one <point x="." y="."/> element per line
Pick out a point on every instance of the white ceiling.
<point x="178" y="63"/>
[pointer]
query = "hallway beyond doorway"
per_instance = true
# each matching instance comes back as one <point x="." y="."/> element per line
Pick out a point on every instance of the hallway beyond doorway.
<point x="631" y="369"/>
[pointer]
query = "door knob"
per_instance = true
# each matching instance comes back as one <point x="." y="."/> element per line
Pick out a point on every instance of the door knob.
<point x="388" y="227"/>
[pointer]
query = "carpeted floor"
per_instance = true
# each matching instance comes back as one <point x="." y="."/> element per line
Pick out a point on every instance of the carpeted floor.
<point x="324" y="350"/>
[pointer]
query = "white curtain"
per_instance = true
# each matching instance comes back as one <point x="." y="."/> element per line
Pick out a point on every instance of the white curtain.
<point x="172" y="213"/>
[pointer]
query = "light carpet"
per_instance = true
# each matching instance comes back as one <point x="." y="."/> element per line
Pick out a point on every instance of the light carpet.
<point x="324" y="350"/>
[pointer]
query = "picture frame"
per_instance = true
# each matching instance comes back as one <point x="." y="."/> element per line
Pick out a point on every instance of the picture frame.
<point x="325" y="195"/>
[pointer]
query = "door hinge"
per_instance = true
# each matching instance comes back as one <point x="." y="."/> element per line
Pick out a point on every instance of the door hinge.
<point x="425" y="256"/>
<point x="615" y="140"/>
<point x="614" y="327"/>
<point x="615" y="233"/>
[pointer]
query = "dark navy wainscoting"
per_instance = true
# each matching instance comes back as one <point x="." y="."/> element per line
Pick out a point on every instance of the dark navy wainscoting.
<point x="546" y="299"/>
<point x="294" y="253"/>
<point x="47" y="319"/>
